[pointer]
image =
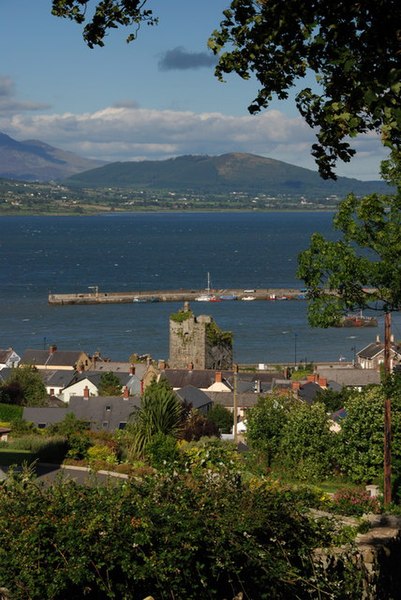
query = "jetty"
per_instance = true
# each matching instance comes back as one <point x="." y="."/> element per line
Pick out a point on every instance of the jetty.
<point x="95" y="296"/>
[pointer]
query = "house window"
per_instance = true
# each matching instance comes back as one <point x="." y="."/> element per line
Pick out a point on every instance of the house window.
<point x="105" y="424"/>
<point x="108" y="408"/>
<point x="41" y="425"/>
<point x="122" y="424"/>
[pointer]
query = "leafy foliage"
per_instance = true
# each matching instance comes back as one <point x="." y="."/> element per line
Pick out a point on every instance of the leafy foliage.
<point x="265" y="424"/>
<point x="307" y="443"/>
<point x="153" y="537"/>
<point x="351" y="47"/>
<point x="109" y="384"/>
<point x="160" y="412"/>
<point x="107" y="14"/>
<point x="221" y="417"/>
<point x="24" y="387"/>
<point x="363" y="268"/>
<point x="195" y="426"/>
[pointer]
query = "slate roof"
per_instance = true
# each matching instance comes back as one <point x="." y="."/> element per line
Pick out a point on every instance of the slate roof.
<point x="375" y="349"/>
<point x="104" y="412"/>
<point x="199" y="378"/>
<point x="119" y="367"/>
<point x="47" y="415"/>
<point x="307" y="392"/>
<point x="351" y="377"/>
<point x="226" y="399"/>
<point x="195" y="397"/>
<point x="68" y="358"/>
<point x="57" y="378"/>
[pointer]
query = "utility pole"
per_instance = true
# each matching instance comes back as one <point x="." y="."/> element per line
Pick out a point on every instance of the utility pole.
<point x="387" y="411"/>
<point x="235" y="405"/>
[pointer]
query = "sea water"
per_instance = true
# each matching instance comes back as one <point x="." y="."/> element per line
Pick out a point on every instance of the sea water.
<point x="161" y="251"/>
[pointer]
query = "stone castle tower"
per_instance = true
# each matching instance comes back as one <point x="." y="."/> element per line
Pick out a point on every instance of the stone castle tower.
<point x="198" y="343"/>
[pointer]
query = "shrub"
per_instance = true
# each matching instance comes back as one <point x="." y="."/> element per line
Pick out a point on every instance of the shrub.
<point x="354" y="502"/>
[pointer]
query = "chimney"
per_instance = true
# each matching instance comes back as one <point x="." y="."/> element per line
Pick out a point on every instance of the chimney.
<point x="86" y="393"/>
<point x="52" y="349"/>
<point x="132" y="369"/>
<point x="218" y="377"/>
<point x="142" y="387"/>
<point x="378" y="339"/>
<point x="125" y="393"/>
<point x="162" y="364"/>
<point x="257" y="386"/>
<point x="322" y="381"/>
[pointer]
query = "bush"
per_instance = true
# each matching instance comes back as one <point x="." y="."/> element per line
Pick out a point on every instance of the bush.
<point x="354" y="502"/>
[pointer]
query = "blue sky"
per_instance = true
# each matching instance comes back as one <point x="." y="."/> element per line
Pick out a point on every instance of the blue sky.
<point x="152" y="99"/>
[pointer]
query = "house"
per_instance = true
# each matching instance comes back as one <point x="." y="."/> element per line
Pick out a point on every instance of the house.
<point x="372" y="356"/>
<point x="4" y="431"/>
<point x="102" y="413"/>
<point x="91" y="380"/>
<point x="56" y="380"/>
<point x="352" y="378"/>
<point x="9" y="359"/>
<point x="72" y="360"/>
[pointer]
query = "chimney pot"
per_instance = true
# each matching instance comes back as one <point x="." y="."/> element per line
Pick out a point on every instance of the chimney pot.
<point x="86" y="392"/>
<point x="218" y="377"/>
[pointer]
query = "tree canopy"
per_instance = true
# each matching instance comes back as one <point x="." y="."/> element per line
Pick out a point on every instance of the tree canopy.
<point x="361" y="269"/>
<point x="352" y="48"/>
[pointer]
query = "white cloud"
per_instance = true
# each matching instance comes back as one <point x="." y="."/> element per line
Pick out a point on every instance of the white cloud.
<point x="128" y="132"/>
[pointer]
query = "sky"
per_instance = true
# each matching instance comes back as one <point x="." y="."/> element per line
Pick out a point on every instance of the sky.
<point x="152" y="99"/>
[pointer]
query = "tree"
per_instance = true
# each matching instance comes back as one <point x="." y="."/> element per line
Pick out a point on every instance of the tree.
<point x="221" y="417"/>
<point x="106" y="15"/>
<point x="360" y="441"/>
<point x="352" y="48"/>
<point x="109" y="384"/>
<point x="160" y="413"/>
<point x="196" y="426"/>
<point x="24" y="387"/>
<point x="307" y="443"/>
<point x="265" y="424"/>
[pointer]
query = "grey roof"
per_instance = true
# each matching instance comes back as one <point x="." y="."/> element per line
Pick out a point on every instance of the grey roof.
<point x="126" y="379"/>
<point x="308" y="391"/>
<point x="351" y="377"/>
<point x="119" y="367"/>
<point x="195" y="397"/>
<point x="199" y="378"/>
<point x="68" y="358"/>
<point x="5" y="354"/>
<point x="45" y="415"/>
<point x="58" y="378"/>
<point x="227" y="399"/>
<point x="375" y="349"/>
<point x="104" y="412"/>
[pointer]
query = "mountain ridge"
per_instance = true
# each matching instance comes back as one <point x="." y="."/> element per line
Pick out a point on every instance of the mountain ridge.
<point x="34" y="160"/>
<point x="235" y="171"/>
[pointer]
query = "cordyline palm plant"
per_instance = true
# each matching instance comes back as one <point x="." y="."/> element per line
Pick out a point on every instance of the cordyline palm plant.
<point x="160" y="412"/>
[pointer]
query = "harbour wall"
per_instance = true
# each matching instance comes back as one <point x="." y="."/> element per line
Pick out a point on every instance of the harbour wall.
<point x="97" y="297"/>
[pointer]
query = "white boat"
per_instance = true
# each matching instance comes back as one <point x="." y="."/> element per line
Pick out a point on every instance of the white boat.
<point x="248" y="298"/>
<point x="206" y="297"/>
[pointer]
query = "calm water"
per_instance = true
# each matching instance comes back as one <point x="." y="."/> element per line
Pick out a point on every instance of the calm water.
<point x="162" y="251"/>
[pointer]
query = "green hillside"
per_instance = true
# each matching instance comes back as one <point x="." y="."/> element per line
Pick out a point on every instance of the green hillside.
<point x="220" y="174"/>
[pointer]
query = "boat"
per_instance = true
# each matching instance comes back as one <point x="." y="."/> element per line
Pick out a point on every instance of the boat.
<point x="358" y="320"/>
<point x="248" y="298"/>
<point x="137" y="299"/>
<point x="206" y="297"/>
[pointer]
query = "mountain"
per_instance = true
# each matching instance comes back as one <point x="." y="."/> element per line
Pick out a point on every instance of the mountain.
<point x="222" y="174"/>
<point x="32" y="160"/>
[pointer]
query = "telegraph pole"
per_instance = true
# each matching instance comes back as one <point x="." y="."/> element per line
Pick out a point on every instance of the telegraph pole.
<point x="387" y="411"/>
<point x="235" y="405"/>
